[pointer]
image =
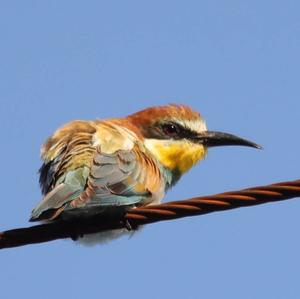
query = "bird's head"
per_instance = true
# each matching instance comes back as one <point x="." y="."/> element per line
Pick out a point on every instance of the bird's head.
<point x="177" y="136"/>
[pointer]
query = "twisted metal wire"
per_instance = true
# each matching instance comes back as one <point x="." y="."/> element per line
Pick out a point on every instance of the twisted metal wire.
<point x="149" y="214"/>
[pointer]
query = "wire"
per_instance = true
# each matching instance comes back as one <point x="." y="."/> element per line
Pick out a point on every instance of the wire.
<point x="149" y="214"/>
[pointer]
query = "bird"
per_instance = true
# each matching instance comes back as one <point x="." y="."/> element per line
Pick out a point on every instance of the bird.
<point x="92" y="168"/>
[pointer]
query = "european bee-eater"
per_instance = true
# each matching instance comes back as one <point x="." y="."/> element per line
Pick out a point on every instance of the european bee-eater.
<point x="91" y="166"/>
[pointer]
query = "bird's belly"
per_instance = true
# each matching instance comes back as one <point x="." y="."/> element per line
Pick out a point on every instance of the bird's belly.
<point x="103" y="237"/>
<point x="110" y="235"/>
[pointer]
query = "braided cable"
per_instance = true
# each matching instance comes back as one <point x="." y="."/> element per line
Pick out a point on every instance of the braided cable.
<point x="150" y="214"/>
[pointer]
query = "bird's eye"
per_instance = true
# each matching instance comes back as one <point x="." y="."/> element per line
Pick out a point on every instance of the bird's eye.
<point x="170" y="129"/>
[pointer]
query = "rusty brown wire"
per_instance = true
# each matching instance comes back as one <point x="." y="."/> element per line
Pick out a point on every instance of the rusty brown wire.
<point x="145" y="215"/>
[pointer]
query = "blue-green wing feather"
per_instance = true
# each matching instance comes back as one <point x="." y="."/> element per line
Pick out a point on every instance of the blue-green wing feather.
<point x="112" y="180"/>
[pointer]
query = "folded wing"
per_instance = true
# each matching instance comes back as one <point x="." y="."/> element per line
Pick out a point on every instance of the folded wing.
<point x="90" y="175"/>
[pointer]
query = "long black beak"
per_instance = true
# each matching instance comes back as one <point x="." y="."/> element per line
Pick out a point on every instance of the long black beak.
<point x="212" y="138"/>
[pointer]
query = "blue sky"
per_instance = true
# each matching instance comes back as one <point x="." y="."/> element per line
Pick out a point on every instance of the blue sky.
<point x="237" y="62"/>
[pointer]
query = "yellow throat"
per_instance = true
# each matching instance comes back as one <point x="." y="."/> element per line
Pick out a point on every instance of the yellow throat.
<point x="178" y="155"/>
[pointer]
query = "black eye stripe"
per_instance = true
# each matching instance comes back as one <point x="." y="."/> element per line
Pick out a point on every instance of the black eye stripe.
<point x="168" y="130"/>
<point x="177" y="131"/>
